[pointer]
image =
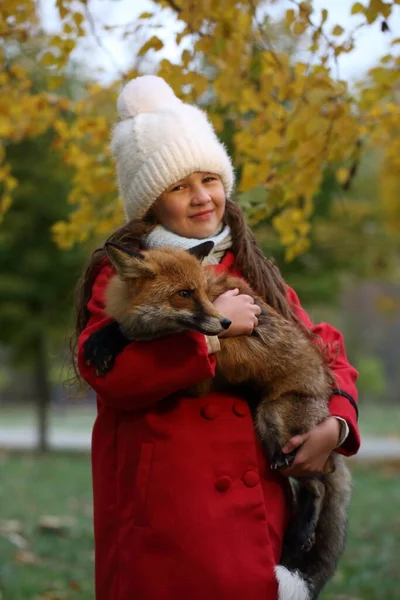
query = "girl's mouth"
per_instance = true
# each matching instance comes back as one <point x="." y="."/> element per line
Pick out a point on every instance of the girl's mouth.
<point x="203" y="216"/>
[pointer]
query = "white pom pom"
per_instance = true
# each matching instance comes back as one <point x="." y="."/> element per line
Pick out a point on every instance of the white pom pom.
<point x="146" y="94"/>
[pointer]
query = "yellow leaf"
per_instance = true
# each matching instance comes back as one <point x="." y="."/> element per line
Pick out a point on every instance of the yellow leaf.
<point x="6" y="127"/>
<point x="145" y="15"/>
<point x="62" y="10"/>
<point x="153" y="43"/>
<point x="342" y="175"/>
<point x="78" y="18"/>
<point x="324" y="15"/>
<point x="48" y="59"/>
<point x="357" y="8"/>
<point x="299" y="27"/>
<point x="17" y="71"/>
<point x="272" y="140"/>
<point x="55" y="81"/>
<point x="10" y="183"/>
<point x="290" y="17"/>
<point x="337" y="30"/>
<point x="387" y="58"/>
<point x="250" y="175"/>
<point x="5" y="203"/>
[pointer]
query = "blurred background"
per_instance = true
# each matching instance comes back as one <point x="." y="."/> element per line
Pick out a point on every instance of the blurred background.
<point x="306" y="97"/>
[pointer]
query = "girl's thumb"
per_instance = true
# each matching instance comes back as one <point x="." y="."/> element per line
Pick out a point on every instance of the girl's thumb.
<point x="234" y="292"/>
<point x="294" y="443"/>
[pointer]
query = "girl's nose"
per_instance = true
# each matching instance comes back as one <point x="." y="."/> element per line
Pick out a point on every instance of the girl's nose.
<point x="200" y="195"/>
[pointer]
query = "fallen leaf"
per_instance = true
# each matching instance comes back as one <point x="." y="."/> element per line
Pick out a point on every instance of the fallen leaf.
<point x="56" y="525"/>
<point x="27" y="558"/>
<point x="74" y="585"/>
<point x="18" y="540"/>
<point x="11" y="526"/>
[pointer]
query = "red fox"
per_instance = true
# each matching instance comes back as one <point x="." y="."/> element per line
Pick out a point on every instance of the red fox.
<point x="166" y="290"/>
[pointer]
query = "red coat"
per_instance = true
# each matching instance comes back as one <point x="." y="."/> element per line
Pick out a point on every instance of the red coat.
<point x="185" y="505"/>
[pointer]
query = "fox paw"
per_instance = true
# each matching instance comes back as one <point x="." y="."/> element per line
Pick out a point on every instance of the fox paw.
<point x="281" y="461"/>
<point x="102" y="347"/>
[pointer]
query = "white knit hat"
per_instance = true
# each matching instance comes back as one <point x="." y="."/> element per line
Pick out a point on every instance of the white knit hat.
<point x="159" y="141"/>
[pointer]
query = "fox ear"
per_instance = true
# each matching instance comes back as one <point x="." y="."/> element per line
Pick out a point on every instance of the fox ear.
<point x="128" y="263"/>
<point x="201" y="250"/>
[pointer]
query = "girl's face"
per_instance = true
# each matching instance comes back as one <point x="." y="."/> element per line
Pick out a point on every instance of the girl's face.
<point x="193" y="207"/>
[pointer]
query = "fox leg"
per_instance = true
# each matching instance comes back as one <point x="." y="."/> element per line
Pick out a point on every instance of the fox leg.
<point x="274" y="431"/>
<point x="103" y="346"/>
<point x="316" y="535"/>
<point x="309" y="499"/>
<point x="317" y="565"/>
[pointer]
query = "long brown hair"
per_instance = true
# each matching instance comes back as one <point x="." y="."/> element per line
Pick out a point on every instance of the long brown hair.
<point x="260" y="272"/>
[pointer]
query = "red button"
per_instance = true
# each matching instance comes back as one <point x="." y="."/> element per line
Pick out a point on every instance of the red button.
<point x="240" y="409"/>
<point x="223" y="483"/>
<point x="210" y="411"/>
<point x="251" y="478"/>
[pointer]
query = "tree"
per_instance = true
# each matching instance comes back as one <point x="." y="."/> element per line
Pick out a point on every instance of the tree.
<point x="349" y="242"/>
<point x="292" y="119"/>
<point x="37" y="277"/>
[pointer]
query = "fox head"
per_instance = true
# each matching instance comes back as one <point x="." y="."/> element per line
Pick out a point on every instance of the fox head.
<point x="161" y="291"/>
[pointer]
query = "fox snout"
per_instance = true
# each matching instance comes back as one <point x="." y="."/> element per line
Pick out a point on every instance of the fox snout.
<point x="226" y="323"/>
<point x="210" y="324"/>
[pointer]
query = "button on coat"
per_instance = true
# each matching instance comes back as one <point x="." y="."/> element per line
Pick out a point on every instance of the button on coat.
<point x="210" y="411"/>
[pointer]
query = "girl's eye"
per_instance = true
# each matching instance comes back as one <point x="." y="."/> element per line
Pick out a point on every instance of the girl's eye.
<point x="209" y="178"/>
<point x="186" y="294"/>
<point x="177" y="188"/>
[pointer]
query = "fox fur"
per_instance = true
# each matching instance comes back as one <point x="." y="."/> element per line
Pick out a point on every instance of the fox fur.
<point x="166" y="290"/>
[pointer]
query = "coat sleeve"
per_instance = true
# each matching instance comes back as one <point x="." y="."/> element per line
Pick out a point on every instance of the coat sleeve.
<point x="343" y="402"/>
<point x="144" y="372"/>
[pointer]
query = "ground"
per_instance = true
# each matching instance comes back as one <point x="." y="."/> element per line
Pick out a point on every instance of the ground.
<point x="39" y="565"/>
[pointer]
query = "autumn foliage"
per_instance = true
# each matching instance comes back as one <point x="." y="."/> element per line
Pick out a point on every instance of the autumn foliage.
<point x="286" y="120"/>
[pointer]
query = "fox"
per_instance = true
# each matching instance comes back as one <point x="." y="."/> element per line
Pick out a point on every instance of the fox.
<point x="167" y="290"/>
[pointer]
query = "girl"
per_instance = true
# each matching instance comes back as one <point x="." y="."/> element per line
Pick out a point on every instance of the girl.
<point x="185" y="505"/>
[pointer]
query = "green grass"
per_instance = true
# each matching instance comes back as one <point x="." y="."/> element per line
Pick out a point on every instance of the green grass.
<point x="60" y="485"/>
<point x="369" y="569"/>
<point x="33" y="487"/>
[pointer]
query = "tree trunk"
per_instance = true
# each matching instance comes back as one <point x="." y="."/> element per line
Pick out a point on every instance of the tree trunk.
<point x="42" y="393"/>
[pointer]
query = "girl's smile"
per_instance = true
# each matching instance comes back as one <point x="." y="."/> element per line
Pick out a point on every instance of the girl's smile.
<point x="203" y="216"/>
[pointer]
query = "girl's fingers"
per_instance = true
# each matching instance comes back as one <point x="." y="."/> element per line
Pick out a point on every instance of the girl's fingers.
<point x="229" y="293"/>
<point x="295" y="442"/>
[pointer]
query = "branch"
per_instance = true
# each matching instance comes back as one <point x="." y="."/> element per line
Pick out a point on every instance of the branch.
<point x="174" y="6"/>
<point x="264" y="35"/>
<point x="100" y="43"/>
<point x="327" y="40"/>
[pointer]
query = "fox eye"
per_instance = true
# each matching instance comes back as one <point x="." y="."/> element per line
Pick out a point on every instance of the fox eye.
<point x="186" y="294"/>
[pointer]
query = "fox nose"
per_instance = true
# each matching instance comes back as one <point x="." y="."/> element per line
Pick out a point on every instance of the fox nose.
<point x="225" y="323"/>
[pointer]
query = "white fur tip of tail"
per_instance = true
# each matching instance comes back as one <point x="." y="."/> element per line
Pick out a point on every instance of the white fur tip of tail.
<point x="290" y="585"/>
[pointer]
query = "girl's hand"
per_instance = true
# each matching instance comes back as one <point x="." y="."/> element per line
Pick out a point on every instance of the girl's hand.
<point x="316" y="447"/>
<point x="240" y="309"/>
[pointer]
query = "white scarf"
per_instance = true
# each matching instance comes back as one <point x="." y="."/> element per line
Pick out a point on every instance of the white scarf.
<point x="160" y="236"/>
